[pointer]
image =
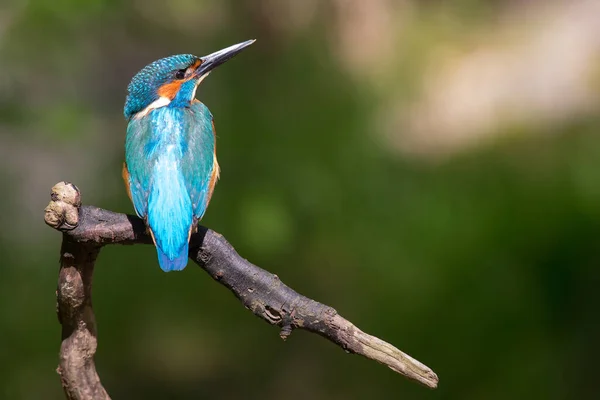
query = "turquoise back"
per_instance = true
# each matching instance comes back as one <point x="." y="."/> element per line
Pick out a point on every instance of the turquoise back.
<point x="170" y="158"/>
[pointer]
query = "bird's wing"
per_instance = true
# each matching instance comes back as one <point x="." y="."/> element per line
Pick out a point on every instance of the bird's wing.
<point x="137" y="163"/>
<point x="199" y="161"/>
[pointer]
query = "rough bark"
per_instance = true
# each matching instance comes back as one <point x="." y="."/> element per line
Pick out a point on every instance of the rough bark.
<point x="86" y="229"/>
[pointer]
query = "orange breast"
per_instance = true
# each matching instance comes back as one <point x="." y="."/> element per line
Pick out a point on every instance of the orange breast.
<point x="125" y="175"/>
<point x="216" y="169"/>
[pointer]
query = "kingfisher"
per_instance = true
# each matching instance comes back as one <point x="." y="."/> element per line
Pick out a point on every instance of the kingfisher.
<point x="171" y="167"/>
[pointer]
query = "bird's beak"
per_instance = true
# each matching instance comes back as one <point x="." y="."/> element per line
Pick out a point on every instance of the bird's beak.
<point x="217" y="58"/>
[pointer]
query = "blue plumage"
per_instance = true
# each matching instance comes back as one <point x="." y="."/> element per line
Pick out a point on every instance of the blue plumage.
<point x="170" y="162"/>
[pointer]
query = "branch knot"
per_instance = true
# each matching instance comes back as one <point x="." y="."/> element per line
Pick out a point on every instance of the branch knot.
<point x="63" y="211"/>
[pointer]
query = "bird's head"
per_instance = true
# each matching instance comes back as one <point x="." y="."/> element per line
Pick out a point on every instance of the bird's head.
<point x="173" y="80"/>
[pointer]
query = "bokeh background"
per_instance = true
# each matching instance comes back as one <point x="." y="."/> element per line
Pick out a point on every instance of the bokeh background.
<point x="431" y="169"/>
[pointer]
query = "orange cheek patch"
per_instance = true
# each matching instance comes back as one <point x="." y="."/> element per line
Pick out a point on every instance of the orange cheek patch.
<point x="169" y="90"/>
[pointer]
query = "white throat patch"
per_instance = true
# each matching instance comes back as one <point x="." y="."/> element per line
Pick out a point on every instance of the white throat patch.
<point x="161" y="102"/>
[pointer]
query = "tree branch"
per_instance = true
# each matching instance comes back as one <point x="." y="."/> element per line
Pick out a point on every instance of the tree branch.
<point x="86" y="229"/>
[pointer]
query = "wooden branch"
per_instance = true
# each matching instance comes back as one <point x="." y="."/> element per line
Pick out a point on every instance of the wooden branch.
<point x="86" y="229"/>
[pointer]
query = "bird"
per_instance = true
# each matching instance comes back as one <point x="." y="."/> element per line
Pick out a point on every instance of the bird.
<point x="171" y="167"/>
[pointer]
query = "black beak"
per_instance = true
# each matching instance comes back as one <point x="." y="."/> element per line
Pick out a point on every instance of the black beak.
<point x="217" y="58"/>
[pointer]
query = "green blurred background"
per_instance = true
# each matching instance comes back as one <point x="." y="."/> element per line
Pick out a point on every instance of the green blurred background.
<point x="431" y="169"/>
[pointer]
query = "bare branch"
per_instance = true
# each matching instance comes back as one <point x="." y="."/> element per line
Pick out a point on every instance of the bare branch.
<point x="74" y="299"/>
<point x="86" y="229"/>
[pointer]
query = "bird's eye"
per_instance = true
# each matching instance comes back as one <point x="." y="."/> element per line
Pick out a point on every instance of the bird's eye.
<point x="180" y="74"/>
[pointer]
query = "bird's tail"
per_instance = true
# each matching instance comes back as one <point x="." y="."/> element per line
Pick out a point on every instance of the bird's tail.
<point x="177" y="263"/>
<point x="170" y="219"/>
